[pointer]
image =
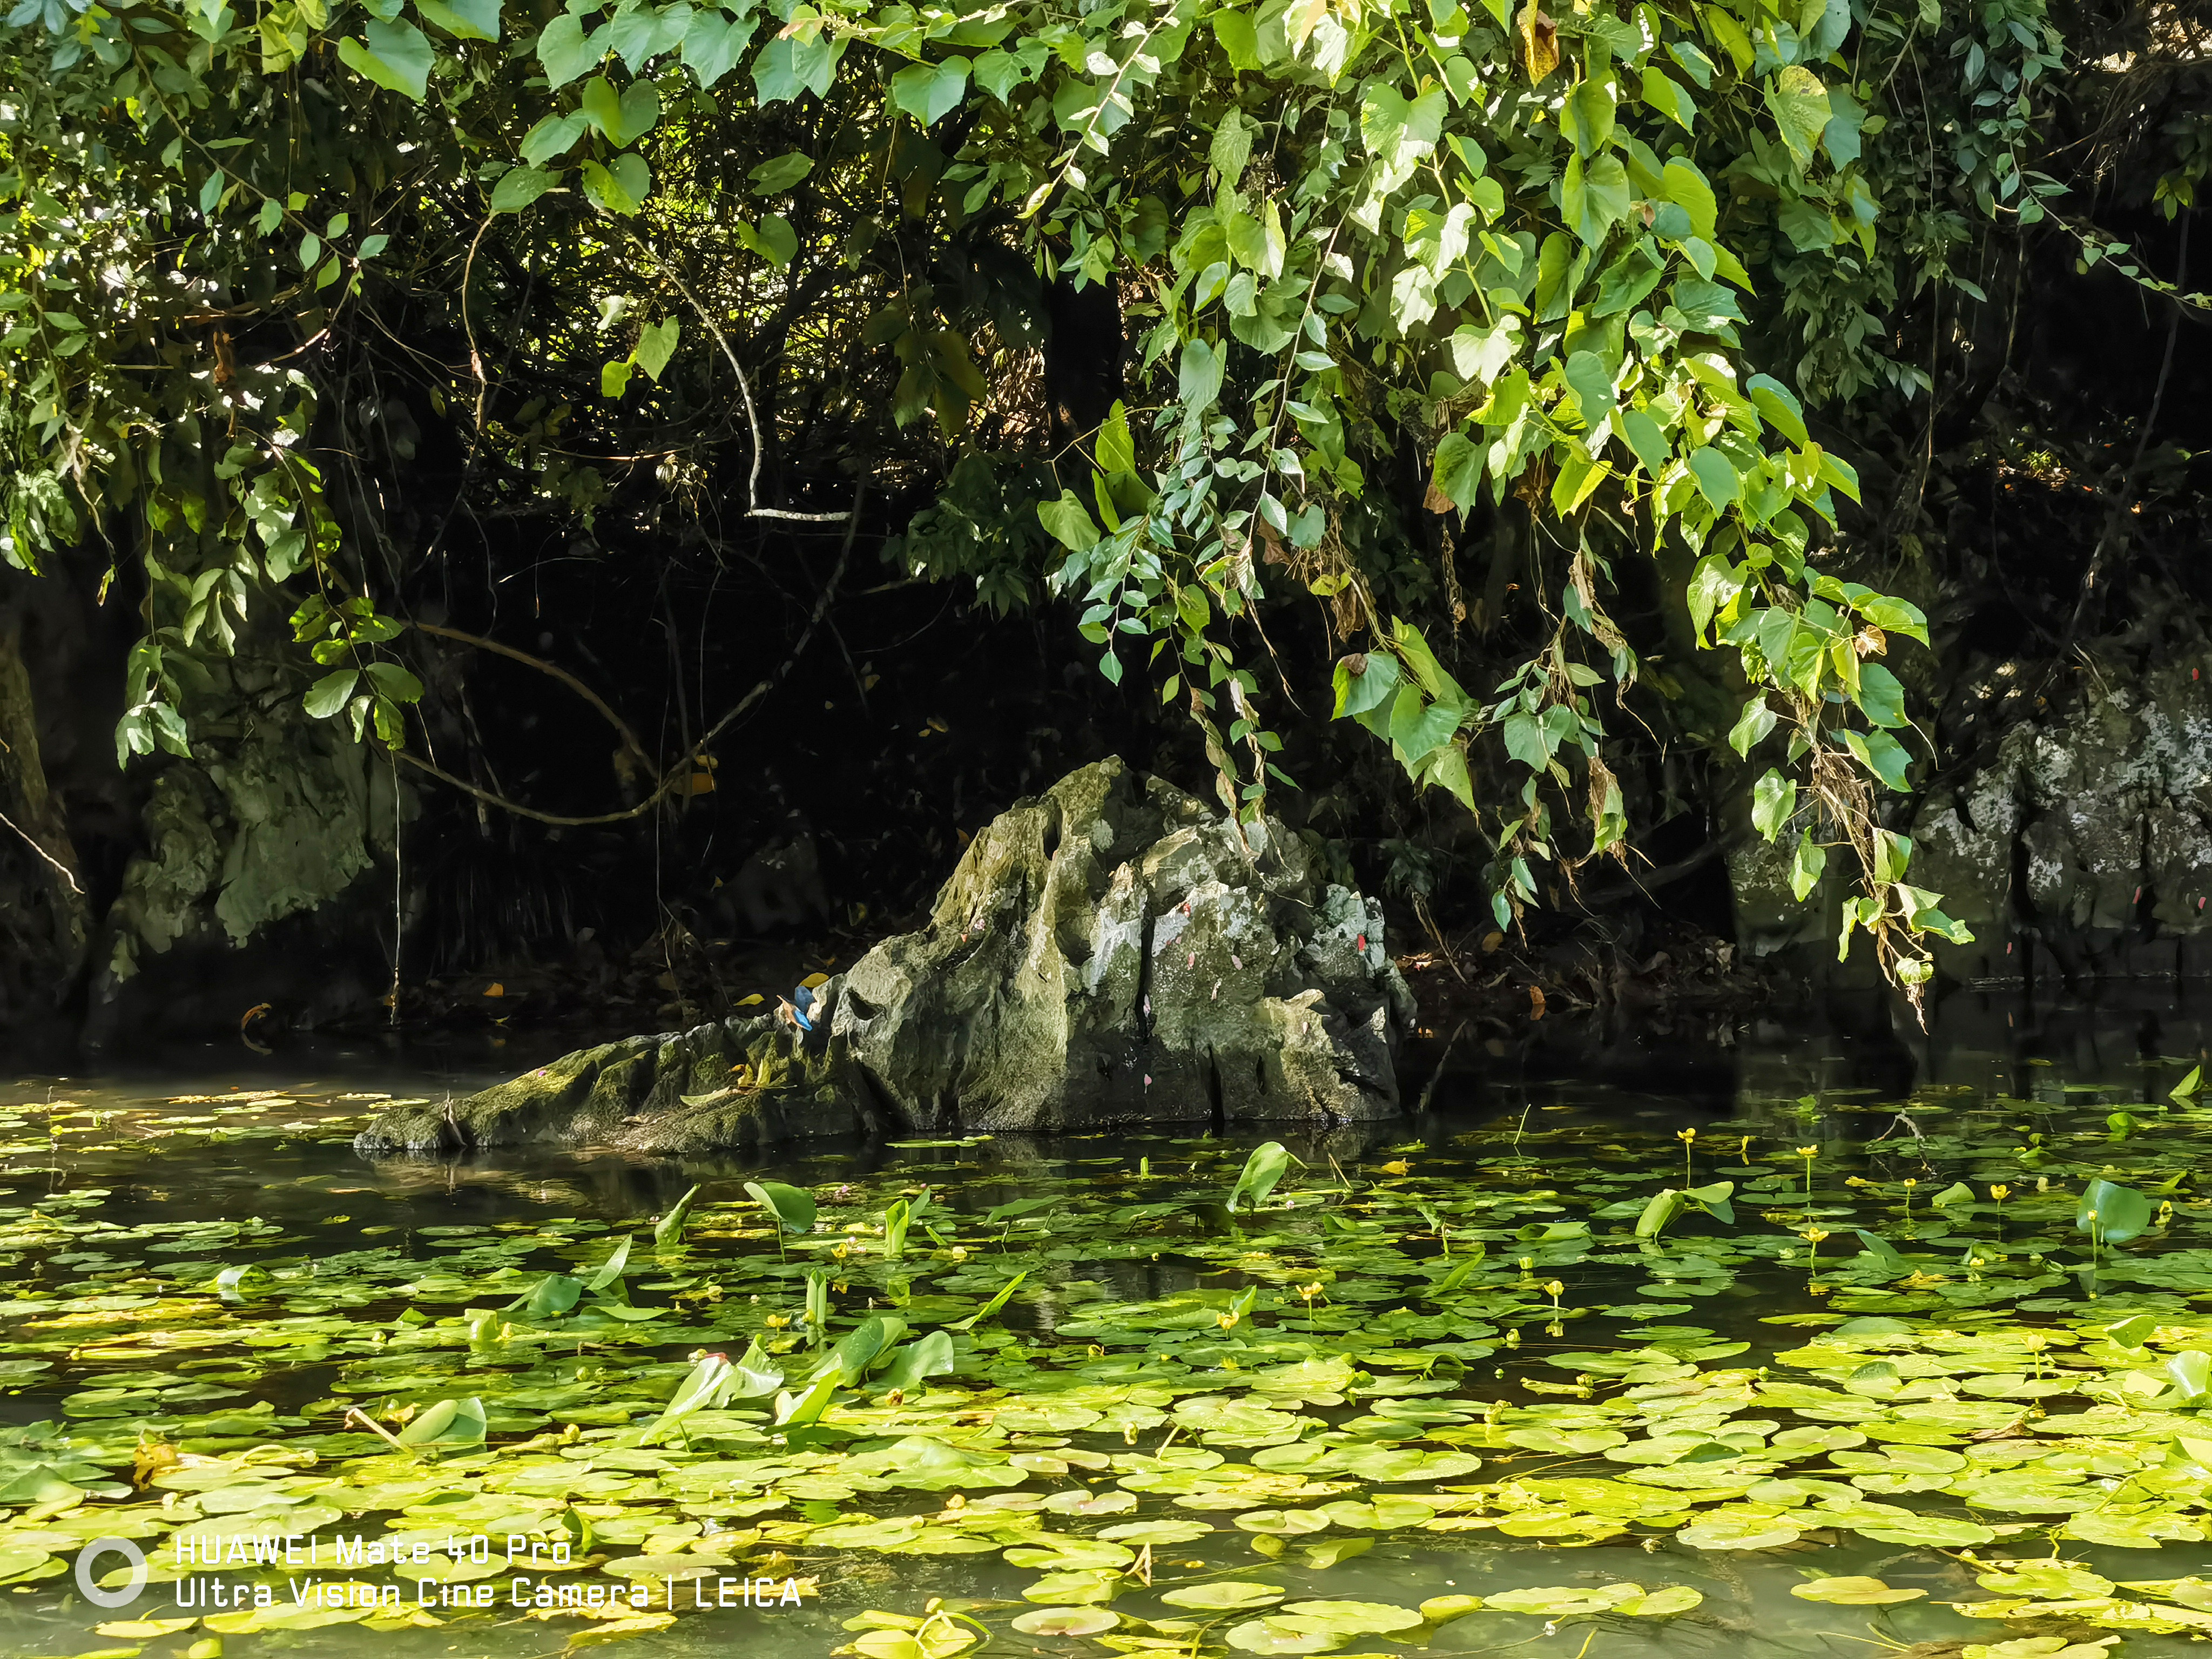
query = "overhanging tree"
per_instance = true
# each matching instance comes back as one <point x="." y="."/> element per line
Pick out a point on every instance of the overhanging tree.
<point x="1380" y="261"/>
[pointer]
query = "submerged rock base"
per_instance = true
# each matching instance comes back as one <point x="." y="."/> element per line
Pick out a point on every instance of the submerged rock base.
<point x="1111" y="952"/>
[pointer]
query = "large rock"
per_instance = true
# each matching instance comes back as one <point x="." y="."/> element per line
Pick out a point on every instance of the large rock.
<point x="1111" y="952"/>
<point x="2087" y="834"/>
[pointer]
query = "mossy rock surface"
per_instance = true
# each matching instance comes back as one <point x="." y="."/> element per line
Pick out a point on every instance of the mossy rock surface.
<point x="1110" y="952"/>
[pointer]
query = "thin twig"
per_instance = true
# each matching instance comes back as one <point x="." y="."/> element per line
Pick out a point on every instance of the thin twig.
<point x="813" y="622"/>
<point x="684" y="768"/>
<point x="476" y="358"/>
<point x="629" y="737"/>
<point x="753" y="509"/>
<point x="355" y="1414"/>
<point x="60" y="868"/>
<point x="2115" y="520"/>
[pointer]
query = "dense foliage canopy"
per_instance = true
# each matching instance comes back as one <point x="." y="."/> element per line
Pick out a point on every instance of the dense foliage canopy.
<point x="1602" y="298"/>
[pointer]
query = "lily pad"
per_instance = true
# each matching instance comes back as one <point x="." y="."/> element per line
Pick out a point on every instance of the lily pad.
<point x="1854" y="1592"/>
<point x="1065" y="1621"/>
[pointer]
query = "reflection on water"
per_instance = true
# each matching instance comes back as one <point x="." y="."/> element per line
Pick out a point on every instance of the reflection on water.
<point x="203" y="1278"/>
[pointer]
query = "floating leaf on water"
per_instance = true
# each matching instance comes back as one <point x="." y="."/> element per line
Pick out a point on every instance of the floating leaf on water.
<point x="1662" y="1603"/>
<point x="1344" y="1617"/>
<point x="446" y="1423"/>
<point x="1738" y="1529"/>
<point x="1560" y="1601"/>
<point x="1854" y="1592"/>
<point x="1264" y="1636"/>
<point x="1080" y="1585"/>
<point x="1222" y="1595"/>
<point x="1065" y="1621"/>
<point x="1442" y="1609"/>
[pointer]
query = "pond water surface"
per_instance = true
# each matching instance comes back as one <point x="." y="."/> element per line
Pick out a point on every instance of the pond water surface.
<point x="1687" y="1353"/>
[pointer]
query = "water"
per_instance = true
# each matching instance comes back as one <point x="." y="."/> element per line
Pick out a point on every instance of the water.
<point x="1369" y="1400"/>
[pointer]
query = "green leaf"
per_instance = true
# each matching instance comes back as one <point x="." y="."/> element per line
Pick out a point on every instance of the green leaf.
<point x="1647" y="440"/>
<point x="1659" y="1213"/>
<point x="1773" y="802"/>
<point x="774" y="240"/>
<point x="565" y="51"/>
<point x="1807" y="866"/>
<point x="1713" y="583"/>
<point x="669" y="1232"/>
<point x="1684" y="186"/>
<point x="1591" y="382"/>
<point x="555" y="135"/>
<point x="1198" y="377"/>
<point x="1893" y="616"/>
<point x="918" y="1361"/>
<point x="1397" y="133"/>
<point x="518" y="187"/>
<point x="1480" y="354"/>
<point x="395" y="56"/>
<point x="1586" y="116"/>
<point x="448" y="1423"/>
<point x="1594" y="196"/>
<point x="2114" y="1212"/>
<point x="1446" y="769"/>
<point x="773" y="178"/>
<point x="1798" y="104"/>
<point x="620" y="118"/>
<point x="1004" y="1294"/>
<point x="614" y="378"/>
<point x="2191" y="1371"/>
<point x="621" y="186"/>
<point x="1779" y="404"/>
<point x="553" y="1296"/>
<point x="715" y="42"/>
<point x="1751" y="726"/>
<point x="1264" y="1167"/>
<point x="1458" y="468"/>
<point x="1661" y="92"/>
<point x="392" y="681"/>
<point x="328" y="695"/>
<point x="1881" y="697"/>
<point x="1069" y="522"/>
<point x="929" y="92"/>
<point x="1840" y="137"/>
<point x="1882" y="754"/>
<point x="656" y="344"/>
<point x="465" y="20"/>
<point x="793" y="1208"/>
<point x="1116" y="449"/>
<point x="1419" y="726"/>
<point x="1239" y="39"/>
<point x="1888" y="1261"/>
<point x="1231" y="148"/>
<point x="611" y="1269"/>
<point x="1716" y="477"/>
<point x="1524" y="741"/>
<point x="637" y="33"/>
<point x="787" y="66"/>
<point x="2188" y="1087"/>
<point x="1365" y="682"/>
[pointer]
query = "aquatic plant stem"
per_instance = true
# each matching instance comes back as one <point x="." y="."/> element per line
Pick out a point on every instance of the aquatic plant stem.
<point x="355" y="1414"/>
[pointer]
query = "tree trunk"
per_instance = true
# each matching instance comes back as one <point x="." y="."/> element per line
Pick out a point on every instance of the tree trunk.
<point x="45" y="921"/>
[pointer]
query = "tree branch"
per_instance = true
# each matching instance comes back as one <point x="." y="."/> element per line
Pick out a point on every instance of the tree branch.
<point x="684" y="768"/>
<point x="629" y="737"/>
